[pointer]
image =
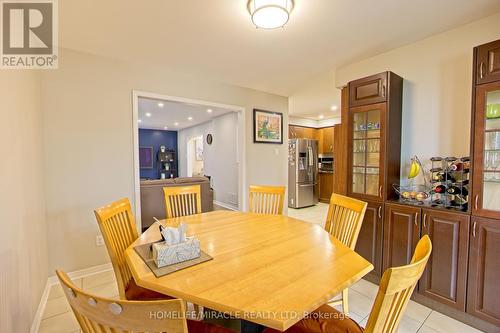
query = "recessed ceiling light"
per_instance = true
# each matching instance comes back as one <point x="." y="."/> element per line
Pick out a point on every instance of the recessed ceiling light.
<point x="176" y="124"/>
<point x="190" y="118"/>
<point x="165" y="128"/>
<point x="148" y="114"/>
<point x="139" y="121"/>
<point x="160" y="104"/>
<point x="209" y="110"/>
<point x="334" y="107"/>
<point x="321" y="116"/>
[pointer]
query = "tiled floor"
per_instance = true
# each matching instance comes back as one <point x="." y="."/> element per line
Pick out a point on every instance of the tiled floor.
<point x="58" y="317"/>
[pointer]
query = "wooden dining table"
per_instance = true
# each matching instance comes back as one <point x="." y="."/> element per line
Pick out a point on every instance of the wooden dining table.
<point x="266" y="269"/>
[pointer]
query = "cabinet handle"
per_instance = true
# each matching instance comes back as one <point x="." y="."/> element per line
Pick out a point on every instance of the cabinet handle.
<point x="476" y="201"/>
<point x="383" y="90"/>
<point x="380" y="191"/>
<point x="474" y="230"/>
<point x="416" y="216"/>
<point x="425" y="218"/>
<point x="379" y="212"/>
<point x="481" y="70"/>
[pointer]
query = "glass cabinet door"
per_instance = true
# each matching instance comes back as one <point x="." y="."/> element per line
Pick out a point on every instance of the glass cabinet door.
<point x="487" y="151"/>
<point x="366" y="145"/>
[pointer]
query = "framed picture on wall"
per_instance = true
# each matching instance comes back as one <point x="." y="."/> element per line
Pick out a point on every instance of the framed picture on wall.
<point x="146" y="157"/>
<point x="267" y="127"/>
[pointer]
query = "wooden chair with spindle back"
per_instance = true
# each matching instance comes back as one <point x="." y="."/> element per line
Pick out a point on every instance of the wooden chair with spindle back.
<point x="344" y="219"/>
<point x="101" y="315"/>
<point x="182" y="200"/>
<point x="396" y="287"/>
<point x="117" y="225"/>
<point x="266" y="199"/>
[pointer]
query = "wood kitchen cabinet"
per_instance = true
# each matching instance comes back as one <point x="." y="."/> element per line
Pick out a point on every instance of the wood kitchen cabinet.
<point x="483" y="296"/>
<point x="486" y="156"/>
<point x="369" y="244"/>
<point x="325" y="186"/>
<point x="401" y="234"/>
<point x="368" y="90"/>
<point x="487" y="62"/>
<point x="445" y="276"/>
<point x="374" y="144"/>
<point x="301" y="132"/>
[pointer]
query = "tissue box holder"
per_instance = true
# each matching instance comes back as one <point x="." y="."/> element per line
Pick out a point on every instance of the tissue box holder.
<point x="165" y="255"/>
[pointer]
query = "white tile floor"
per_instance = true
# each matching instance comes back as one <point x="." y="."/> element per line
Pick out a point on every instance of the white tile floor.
<point x="58" y="317"/>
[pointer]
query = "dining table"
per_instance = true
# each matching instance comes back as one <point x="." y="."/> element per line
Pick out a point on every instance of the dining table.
<point x="270" y="270"/>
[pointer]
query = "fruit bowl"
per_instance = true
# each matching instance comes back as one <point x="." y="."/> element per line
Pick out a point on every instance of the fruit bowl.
<point x="412" y="193"/>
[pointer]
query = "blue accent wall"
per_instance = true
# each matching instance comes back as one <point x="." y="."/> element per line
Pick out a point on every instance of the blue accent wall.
<point x="155" y="139"/>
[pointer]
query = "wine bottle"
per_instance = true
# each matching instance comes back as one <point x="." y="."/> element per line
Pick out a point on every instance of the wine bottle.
<point x="457" y="190"/>
<point x="456" y="166"/>
<point x="440" y="189"/>
<point x="443" y="176"/>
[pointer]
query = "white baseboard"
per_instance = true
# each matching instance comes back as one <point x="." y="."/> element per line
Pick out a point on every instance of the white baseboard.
<point x="225" y="205"/>
<point x="52" y="281"/>
<point x="35" y="325"/>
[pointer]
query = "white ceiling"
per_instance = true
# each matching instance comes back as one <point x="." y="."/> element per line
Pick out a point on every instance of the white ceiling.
<point x="217" y="40"/>
<point x="173" y="112"/>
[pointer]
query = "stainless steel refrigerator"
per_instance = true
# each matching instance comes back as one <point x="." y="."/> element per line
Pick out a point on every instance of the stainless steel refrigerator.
<point x="302" y="173"/>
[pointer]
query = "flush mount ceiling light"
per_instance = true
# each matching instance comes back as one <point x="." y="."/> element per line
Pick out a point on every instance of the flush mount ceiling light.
<point x="270" y="14"/>
<point x="160" y="104"/>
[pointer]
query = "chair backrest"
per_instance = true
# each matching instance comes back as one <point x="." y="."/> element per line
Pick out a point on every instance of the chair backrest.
<point x="97" y="314"/>
<point x="344" y="219"/>
<point x="396" y="286"/>
<point x="118" y="229"/>
<point x="182" y="200"/>
<point x="266" y="199"/>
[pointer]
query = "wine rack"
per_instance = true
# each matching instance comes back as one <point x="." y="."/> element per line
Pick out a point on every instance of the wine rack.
<point x="450" y="178"/>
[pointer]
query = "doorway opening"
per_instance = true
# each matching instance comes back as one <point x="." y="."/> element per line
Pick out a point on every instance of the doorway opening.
<point x="195" y="162"/>
<point x="185" y="141"/>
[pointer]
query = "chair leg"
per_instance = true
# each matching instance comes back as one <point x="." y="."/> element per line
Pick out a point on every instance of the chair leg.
<point x="345" y="301"/>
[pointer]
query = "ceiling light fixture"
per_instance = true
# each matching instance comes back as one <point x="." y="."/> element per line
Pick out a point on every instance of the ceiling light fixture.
<point x="270" y="14"/>
<point x="321" y="116"/>
<point x="190" y="118"/>
<point x="139" y="121"/>
<point x="148" y="114"/>
<point x="209" y="110"/>
<point x="160" y="104"/>
<point x="334" y="107"/>
<point x="165" y="128"/>
<point x="176" y="124"/>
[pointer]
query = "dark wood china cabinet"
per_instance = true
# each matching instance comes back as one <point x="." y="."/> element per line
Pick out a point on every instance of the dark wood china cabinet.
<point x="374" y="136"/>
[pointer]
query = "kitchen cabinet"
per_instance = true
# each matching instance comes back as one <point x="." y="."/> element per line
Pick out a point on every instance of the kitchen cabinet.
<point x="483" y="299"/>
<point x="325" y="140"/>
<point x="445" y="276"/>
<point x="325" y="186"/>
<point x="486" y="156"/>
<point x="368" y="90"/>
<point x="487" y="62"/>
<point x="374" y="145"/>
<point x="340" y="146"/>
<point x="300" y="132"/>
<point x="369" y="244"/>
<point x="401" y="234"/>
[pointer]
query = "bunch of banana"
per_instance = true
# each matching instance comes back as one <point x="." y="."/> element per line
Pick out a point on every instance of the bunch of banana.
<point x="415" y="168"/>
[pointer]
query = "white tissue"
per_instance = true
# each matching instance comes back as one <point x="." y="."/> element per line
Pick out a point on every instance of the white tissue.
<point x="174" y="236"/>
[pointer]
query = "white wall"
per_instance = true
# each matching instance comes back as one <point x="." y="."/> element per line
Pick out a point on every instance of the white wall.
<point x="87" y="106"/>
<point x="437" y="88"/>
<point x="220" y="158"/>
<point x="23" y="236"/>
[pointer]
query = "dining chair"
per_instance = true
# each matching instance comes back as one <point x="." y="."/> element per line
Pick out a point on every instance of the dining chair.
<point x="396" y="287"/>
<point x="117" y="225"/>
<point x="97" y="314"/>
<point x="266" y="199"/>
<point x="344" y="219"/>
<point x="182" y="200"/>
